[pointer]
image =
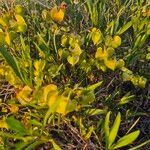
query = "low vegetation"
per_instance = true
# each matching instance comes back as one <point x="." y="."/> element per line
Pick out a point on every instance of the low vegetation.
<point x="74" y="74"/>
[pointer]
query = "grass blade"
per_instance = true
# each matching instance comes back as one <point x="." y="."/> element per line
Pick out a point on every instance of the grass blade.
<point x="124" y="28"/>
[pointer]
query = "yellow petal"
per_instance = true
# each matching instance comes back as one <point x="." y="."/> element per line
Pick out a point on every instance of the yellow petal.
<point x="101" y="54"/>
<point x="3" y="124"/>
<point x="24" y="95"/>
<point x="7" y="38"/>
<point x="111" y="64"/>
<point x="57" y="14"/>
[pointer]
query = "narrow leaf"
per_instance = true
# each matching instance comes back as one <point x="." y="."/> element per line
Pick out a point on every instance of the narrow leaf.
<point x="106" y="127"/>
<point x="114" y="129"/>
<point x="125" y="27"/>
<point x="127" y="139"/>
<point x="55" y="146"/>
<point x="126" y="99"/>
<point x="94" y="86"/>
<point x="92" y="112"/>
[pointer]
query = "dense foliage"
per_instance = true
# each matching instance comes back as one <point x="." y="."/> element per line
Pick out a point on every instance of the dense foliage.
<point x="74" y="74"/>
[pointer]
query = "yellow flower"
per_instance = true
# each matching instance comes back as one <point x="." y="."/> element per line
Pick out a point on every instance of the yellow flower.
<point x="14" y="108"/>
<point x="57" y="13"/>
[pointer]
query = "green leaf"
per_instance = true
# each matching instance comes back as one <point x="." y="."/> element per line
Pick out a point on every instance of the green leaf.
<point x="127" y="139"/>
<point x="92" y="112"/>
<point x="16" y="125"/>
<point x="11" y="62"/>
<point x="94" y="86"/>
<point x="124" y="28"/>
<point x="87" y="97"/>
<point x="114" y="130"/>
<point x="148" y="56"/>
<point x="126" y="99"/>
<point x="106" y="127"/>
<point x="55" y="146"/>
<point x="35" y="122"/>
<point x="90" y="131"/>
<point x="2" y="147"/>
<point x="34" y="144"/>
<point x="71" y="106"/>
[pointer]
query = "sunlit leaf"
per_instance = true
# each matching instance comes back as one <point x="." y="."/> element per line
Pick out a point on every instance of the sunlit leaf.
<point x="106" y="128"/>
<point x="126" y="99"/>
<point x="94" y="86"/>
<point x="90" y="131"/>
<point x="114" y="130"/>
<point x="35" y="122"/>
<point x="127" y="139"/>
<point x="93" y="112"/>
<point x="55" y="146"/>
